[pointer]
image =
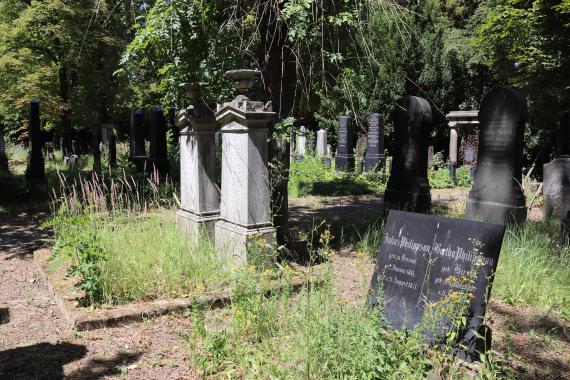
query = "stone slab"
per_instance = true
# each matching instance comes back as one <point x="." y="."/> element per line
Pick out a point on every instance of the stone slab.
<point x="556" y="188"/>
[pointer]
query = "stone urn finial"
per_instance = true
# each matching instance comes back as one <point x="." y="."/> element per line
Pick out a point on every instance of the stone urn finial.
<point x="193" y="90"/>
<point x="243" y="80"/>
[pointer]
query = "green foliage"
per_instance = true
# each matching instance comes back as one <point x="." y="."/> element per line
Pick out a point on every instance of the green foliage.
<point x="440" y="179"/>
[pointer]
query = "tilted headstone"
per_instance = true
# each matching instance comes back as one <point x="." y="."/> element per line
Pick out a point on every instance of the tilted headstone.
<point x="158" y="155"/>
<point x="408" y="187"/>
<point x="200" y="198"/>
<point x="301" y="142"/>
<point x="137" y="144"/>
<point x="556" y="175"/>
<point x="375" y="150"/>
<point x="35" y="171"/>
<point x="321" y="143"/>
<point x="433" y="270"/>
<point x="496" y="195"/>
<point x="245" y="217"/>
<point x="344" y="159"/>
<point x="4" y="169"/>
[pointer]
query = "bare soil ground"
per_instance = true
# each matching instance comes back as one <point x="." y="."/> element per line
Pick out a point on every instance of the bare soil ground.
<point x="36" y="342"/>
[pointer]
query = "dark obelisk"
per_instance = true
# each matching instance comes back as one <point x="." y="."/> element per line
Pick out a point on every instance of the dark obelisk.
<point x="496" y="195"/>
<point x="158" y="157"/>
<point x="4" y="167"/>
<point x="556" y="190"/>
<point x="344" y="159"/>
<point x="375" y="151"/>
<point x="137" y="145"/>
<point x="408" y="187"/>
<point x="35" y="171"/>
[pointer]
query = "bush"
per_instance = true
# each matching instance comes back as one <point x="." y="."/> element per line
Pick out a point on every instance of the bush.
<point x="440" y="179"/>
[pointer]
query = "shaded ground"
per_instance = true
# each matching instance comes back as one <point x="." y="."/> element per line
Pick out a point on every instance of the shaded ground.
<point x="36" y="342"/>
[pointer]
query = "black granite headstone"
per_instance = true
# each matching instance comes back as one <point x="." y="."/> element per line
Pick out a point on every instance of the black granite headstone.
<point x="408" y="187"/>
<point x="344" y="159"/>
<point x="375" y="150"/>
<point x="496" y="195"/>
<point x="36" y="167"/>
<point x="137" y="144"/>
<point x="433" y="270"/>
<point x="158" y="157"/>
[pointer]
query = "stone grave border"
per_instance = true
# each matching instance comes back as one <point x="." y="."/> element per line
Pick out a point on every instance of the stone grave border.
<point x="83" y="319"/>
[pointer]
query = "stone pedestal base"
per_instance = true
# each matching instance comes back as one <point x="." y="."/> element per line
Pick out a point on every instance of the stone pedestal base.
<point x="344" y="162"/>
<point x="239" y="242"/>
<point x="406" y="201"/>
<point x="556" y="188"/>
<point x="494" y="212"/>
<point x="373" y="162"/>
<point x="197" y="225"/>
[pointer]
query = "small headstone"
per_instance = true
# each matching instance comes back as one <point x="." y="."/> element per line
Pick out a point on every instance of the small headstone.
<point x="556" y="183"/>
<point x="158" y="155"/>
<point x="375" y="149"/>
<point x="361" y="144"/>
<point x="321" y="143"/>
<point x="428" y="266"/>
<point x="35" y="171"/>
<point x="4" y="169"/>
<point x="430" y="156"/>
<point x="301" y="145"/>
<point x="408" y="187"/>
<point x="344" y="159"/>
<point x="496" y="195"/>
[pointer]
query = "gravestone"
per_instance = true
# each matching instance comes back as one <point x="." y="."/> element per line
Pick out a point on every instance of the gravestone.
<point x="35" y="171"/>
<point x="158" y="155"/>
<point x="556" y="174"/>
<point x="4" y="169"/>
<point x="112" y="151"/>
<point x="428" y="266"/>
<point x="301" y="143"/>
<point x="361" y="144"/>
<point x="199" y="195"/>
<point x="564" y="237"/>
<point x="96" y="149"/>
<point x="245" y="217"/>
<point x="375" y="151"/>
<point x="496" y="195"/>
<point x="321" y="143"/>
<point x="408" y="187"/>
<point x="344" y="159"/>
<point x="137" y="144"/>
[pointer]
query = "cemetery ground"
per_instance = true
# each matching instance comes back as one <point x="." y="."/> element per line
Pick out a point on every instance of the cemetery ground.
<point x="321" y="331"/>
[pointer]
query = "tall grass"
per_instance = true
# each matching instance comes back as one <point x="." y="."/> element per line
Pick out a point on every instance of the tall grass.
<point x="533" y="269"/>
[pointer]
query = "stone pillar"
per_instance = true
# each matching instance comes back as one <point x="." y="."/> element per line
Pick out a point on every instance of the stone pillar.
<point x="35" y="171"/>
<point x="496" y="195"/>
<point x="321" y="143"/>
<point x="112" y="151"/>
<point x="556" y="184"/>
<point x="408" y="187"/>
<point x="375" y="151"/>
<point x="245" y="216"/>
<point x="344" y="159"/>
<point x="200" y="197"/>
<point x="158" y="155"/>
<point x="453" y="141"/>
<point x="301" y="143"/>
<point x="137" y="145"/>
<point x="292" y="146"/>
<point x="96" y="149"/>
<point x="4" y="169"/>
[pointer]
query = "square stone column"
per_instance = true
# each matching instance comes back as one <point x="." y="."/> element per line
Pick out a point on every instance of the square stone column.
<point x="200" y="197"/>
<point x="245" y="217"/>
<point x="35" y="171"/>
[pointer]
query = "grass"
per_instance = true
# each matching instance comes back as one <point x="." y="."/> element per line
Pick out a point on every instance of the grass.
<point x="533" y="269"/>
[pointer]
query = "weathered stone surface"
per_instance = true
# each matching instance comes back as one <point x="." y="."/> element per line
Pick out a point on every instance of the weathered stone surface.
<point x="344" y="159"/>
<point x="375" y="151"/>
<point x="321" y="143"/>
<point x="158" y="156"/>
<point x="301" y="145"/>
<point x="556" y="175"/>
<point x="425" y="264"/>
<point x="496" y="195"/>
<point x="408" y="187"/>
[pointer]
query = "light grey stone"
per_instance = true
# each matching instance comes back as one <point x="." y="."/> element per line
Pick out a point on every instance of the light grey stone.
<point x="556" y="188"/>
<point x="321" y="143"/>
<point x="301" y="145"/>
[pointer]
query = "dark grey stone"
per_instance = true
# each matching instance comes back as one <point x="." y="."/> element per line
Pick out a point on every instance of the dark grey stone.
<point x="556" y="174"/>
<point x="565" y="231"/>
<point x="113" y="151"/>
<point x="96" y="149"/>
<point x="36" y="166"/>
<point x="408" y="187"/>
<point x="137" y="144"/>
<point x="4" y="169"/>
<point x="496" y="195"/>
<point x="423" y="259"/>
<point x="375" y="150"/>
<point x="158" y="156"/>
<point x="344" y="159"/>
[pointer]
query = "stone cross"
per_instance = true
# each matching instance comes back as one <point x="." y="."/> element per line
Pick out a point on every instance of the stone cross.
<point x="408" y="187"/>
<point x="344" y="159"/>
<point x="137" y="145"/>
<point x="245" y="217"/>
<point x="301" y="142"/>
<point x="200" y="197"/>
<point x="158" y="155"/>
<point x="496" y="195"/>
<point x="321" y="143"/>
<point x="35" y="171"/>
<point x="375" y="151"/>
<point x="4" y="169"/>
